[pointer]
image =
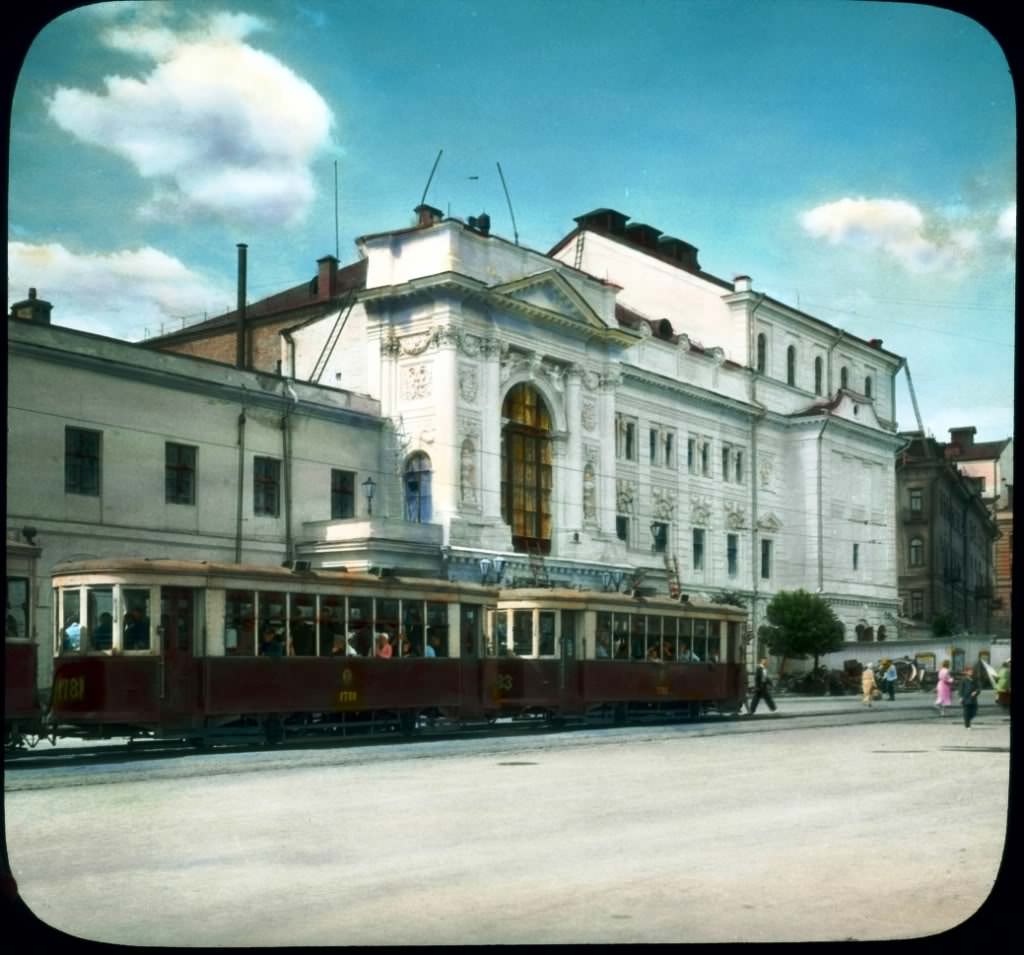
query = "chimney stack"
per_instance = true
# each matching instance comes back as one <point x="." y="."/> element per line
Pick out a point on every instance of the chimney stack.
<point x="741" y="283"/>
<point x="241" y="354"/>
<point x="32" y="309"/>
<point x="427" y="215"/>
<point x="963" y="438"/>
<point x="327" y="278"/>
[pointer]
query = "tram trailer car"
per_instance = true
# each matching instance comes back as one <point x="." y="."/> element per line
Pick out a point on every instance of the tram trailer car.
<point x="23" y="713"/>
<point x="207" y="651"/>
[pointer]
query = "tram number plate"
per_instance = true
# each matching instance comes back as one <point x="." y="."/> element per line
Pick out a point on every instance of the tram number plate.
<point x="502" y="685"/>
<point x="69" y="689"/>
<point x="347" y="696"/>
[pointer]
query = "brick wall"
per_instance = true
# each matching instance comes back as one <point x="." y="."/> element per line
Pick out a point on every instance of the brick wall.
<point x="264" y="343"/>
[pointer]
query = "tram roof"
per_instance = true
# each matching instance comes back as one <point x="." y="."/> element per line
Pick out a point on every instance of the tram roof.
<point x="660" y="603"/>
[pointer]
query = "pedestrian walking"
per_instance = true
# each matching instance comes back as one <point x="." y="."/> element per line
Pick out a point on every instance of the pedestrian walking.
<point x="889" y="681"/>
<point x="944" y="689"/>
<point x="969" y="696"/>
<point x="868" y="685"/>
<point x="762" y="688"/>
<point x="1003" y="686"/>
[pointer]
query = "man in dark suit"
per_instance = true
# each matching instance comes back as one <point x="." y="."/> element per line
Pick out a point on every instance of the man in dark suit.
<point x="762" y="688"/>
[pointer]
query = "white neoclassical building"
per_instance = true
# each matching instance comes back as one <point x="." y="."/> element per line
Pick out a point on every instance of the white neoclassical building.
<point x="608" y="412"/>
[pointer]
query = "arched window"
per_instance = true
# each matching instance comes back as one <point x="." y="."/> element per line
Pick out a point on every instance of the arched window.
<point x="791" y="365"/>
<point x="844" y="377"/>
<point x="526" y="471"/>
<point x="761" y="346"/>
<point x="867" y="386"/>
<point x="916" y="552"/>
<point x="819" y="367"/>
<point x="417" y="489"/>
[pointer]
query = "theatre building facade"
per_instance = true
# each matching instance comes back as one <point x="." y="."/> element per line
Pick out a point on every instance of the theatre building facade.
<point x="605" y="415"/>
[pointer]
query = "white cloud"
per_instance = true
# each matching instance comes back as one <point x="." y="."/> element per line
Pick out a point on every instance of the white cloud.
<point x="896" y="228"/>
<point x="1006" y="225"/>
<point x="223" y="129"/>
<point x="121" y="294"/>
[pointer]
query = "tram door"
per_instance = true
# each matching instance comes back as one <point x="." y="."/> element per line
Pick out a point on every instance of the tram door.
<point x="470" y="635"/>
<point x="177" y="623"/>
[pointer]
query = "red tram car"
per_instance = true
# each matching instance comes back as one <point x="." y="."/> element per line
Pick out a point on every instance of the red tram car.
<point x="207" y="651"/>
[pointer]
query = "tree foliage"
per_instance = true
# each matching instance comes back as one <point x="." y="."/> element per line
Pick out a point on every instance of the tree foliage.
<point x="801" y="625"/>
<point x="732" y="598"/>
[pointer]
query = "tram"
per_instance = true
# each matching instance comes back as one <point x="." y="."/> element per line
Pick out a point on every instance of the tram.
<point x="209" y="651"/>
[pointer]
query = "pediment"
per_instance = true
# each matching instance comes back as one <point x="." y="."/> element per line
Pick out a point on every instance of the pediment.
<point x="848" y="405"/>
<point x="551" y="293"/>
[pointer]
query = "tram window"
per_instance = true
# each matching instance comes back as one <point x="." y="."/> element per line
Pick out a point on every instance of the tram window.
<point x="387" y="621"/>
<point x="360" y="626"/>
<point x="685" y="640"/>
<point x="570" y="626"/>
<point x="522" y="633"/>
<point x="501" y="633"/>
<point x="733" y="639"/>
<point x="413" y="627"/>
<point x="469" y="629"/>
<point x="636" y="646"/>
<point x="547" y="633"/>
<point x="71" y="633"/>
<point x="603" y="649"/>
<point x="621" y="625"/>
<point x="272" y="619"/>
<point x="332" y="626"/>
<point x="437" y="630"/>
<point x="239" y="623"/>
<point x="700" y="640"/>
<point x="136" y="634"/>
<point x="17" y="608"/>
<point x="668" y="637"/>
<point x="100" y="621"/>
<point x="301" y="629"/>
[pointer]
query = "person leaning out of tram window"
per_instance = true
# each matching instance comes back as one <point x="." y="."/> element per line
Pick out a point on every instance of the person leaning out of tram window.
<point x="383" y="649"/>
<point x="270" y="646"/>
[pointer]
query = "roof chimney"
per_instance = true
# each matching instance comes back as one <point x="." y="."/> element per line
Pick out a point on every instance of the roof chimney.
<point x="327" y="278"/>
<point x="875" y="342"/>
<point x="963" y="437"/>
<point x="603" y="220"/>
<point x="481" y="223"/>
<point x="741" y="283"/>
<point x="32" y="309"/>
<point x="427" y="215"/>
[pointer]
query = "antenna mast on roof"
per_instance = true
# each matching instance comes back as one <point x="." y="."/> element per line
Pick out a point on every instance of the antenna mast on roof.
<point x="515" y="232"/>
<point x="431" y="177"/>
<point x="336" y="208"/>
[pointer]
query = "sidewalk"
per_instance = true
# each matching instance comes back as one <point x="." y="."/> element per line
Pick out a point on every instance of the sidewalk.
<point x="923" y="700"/>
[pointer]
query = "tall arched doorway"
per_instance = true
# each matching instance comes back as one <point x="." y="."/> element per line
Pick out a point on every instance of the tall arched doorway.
<point x="526" y="469"/>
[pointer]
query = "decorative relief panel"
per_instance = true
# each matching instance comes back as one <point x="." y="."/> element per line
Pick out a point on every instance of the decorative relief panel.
<point x="735" y="516"/>
<point x="469" y="383"/>
<point x="769" y="522"/>
<point x="767" y="467"/>
<point x="591" y="456"/>
<point x="416" y="382"/>
<point x="664" y="503"/>
<point x="588" y="414"/>
<point x="468" y="474"/>
<point x="625" y="491"/>
<point x="700" y="511"/>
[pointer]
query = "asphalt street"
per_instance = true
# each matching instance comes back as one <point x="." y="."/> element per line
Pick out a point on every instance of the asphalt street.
<point x="790" y="826"/>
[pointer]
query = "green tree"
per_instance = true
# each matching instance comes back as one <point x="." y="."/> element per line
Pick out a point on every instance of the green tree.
<point x="801" y="625"/>
<point x="732" y="598"/>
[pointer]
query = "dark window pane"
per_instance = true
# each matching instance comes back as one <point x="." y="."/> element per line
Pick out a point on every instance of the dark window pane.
<point x="266" y="486"/>
<point x="343" y="494"/>
<point x="180" y="472"/>
<point x="81" y="461"/>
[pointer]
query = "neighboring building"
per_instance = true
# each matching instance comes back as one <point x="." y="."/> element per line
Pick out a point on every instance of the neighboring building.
<point x="114" y="450"/>
<point x="1002" y="602"/>
<point x="604" y="413"/>
<point x="946" y="539"/>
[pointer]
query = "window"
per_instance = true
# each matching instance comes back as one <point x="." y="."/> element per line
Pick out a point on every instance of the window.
<point x="766" y="560"/>
<point x="791" y="365"/>
<point x="761" y="348"/>
<point x="819" y="367"/>
<point x="732" y="463"/>
<point x="856" y="556"/>
<point x="100" y="618"/>
<point x="739" y="466"/>
<point x="691" y="455"/>
<point x="917" y="604"/>
<point x="622" y="527"/>
<point x="343" y="494"/>
<point x="526" y="469"/>
<point x="180" y="473"/>
<point x="417" y="483"/>
<point x="17" y="609"/>
<point x="670" y="448"/>
<point x="867" y="386"/>
<point x="726" y="462"/>
<point x="137" y="631"/>
<point x="916" y="500"/>
<point x="654" y="445"/>
<point x="732" y="550"/>
<point x="916" y="552"/>
<point x="82" y="461"/>
<point x="625" y="437"/>
<point x="698" y="548"/>
<point x="266" y="474"/>
<point x="659" y="531"/>
<point x="844" y="376"/>
<point x="705" y="457"/>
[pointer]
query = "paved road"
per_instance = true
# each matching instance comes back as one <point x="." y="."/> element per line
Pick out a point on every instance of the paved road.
<point x="775" y="828"/>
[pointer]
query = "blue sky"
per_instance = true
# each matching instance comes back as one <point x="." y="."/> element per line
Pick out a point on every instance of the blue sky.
<point x="857" y="160"/>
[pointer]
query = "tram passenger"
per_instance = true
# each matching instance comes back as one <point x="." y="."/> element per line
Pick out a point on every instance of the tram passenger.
<point x="434" y="647"/>
<point x="103" y="638"/>
<point x="136" y="629"/>
<point x="603" y="648"/>
<point x="383" y="650"/>
<point x="303" y="640"/>
<point x="72" y="640"/>
<point x="407" y="647"/>
<point x="270" y="646"/>
<point x="666" y="651"/>
<point x="338" y="646"/>
<point x="686" y="655"/>
<point x="654" y="654"/>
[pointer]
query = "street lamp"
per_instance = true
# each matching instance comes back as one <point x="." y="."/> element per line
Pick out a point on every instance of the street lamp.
<point x="369" y="486"/>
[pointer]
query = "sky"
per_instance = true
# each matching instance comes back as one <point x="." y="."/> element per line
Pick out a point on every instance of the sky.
<point x="856" y="159"/>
